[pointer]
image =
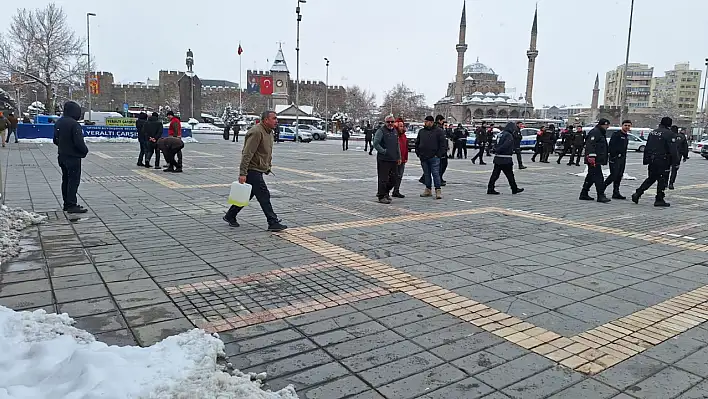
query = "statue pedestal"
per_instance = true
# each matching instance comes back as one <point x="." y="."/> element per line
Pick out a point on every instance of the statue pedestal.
<point x="190" y="97"/>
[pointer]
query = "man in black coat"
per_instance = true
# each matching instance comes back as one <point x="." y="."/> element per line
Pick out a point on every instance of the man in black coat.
<point x="345" y="137"/>
<point x="387" y="159"/>
<point x="153" y="131"/>
<point x="595" y="157"/>
<point x="660" y="154"/>
<point x="71" y="148"/>
<point x="480" y="140"/>
<point x="460" y="136"/>
<point x="567" y="140"/>
<point x="618" y="158"/>
<point x="578" y="139"/>
<point x="368" y="137"/>
<point x="430" y="147"/>
<point x="142" y="139"/>
<point x="518" y="137"/>
<point x="682" y="147"/>
<point x="503" y="160"/>
<point x="172" y="146"/>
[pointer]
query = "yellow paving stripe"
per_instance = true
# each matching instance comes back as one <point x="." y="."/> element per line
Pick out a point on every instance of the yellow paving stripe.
<point x="158" y="179"/>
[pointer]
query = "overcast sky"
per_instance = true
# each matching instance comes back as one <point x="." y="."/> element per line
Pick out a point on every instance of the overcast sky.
<point x="377" y="43"/>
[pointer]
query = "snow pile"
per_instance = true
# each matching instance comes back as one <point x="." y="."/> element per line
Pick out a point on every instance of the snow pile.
<point x="42" y="356"/>
<point x="12" y="221"/>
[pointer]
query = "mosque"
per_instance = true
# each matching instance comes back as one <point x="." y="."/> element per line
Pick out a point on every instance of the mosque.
<point x="478" y="93"/>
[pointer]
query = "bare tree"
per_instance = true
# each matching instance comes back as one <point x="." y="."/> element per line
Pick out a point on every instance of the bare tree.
<point x="42" y="49"/>
<point x="404" y="102"/>
<point x="359" y="103"/>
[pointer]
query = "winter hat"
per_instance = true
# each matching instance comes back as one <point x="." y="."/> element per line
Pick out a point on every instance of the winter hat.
<point x="429" y="118"/>
<point x="604" y="121"/>
<point x="666" y="121"/>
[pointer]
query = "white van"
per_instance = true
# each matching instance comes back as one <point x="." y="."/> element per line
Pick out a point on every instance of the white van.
<point x="99" y="117"/>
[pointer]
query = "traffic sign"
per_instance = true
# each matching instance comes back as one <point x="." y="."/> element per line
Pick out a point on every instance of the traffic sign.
<point x="125" y="107"/>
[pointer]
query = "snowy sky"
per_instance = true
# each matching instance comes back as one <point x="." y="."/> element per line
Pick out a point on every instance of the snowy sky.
<point x="376" y="44"/>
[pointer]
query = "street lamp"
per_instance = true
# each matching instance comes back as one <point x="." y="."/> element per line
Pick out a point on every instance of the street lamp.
<point x="326" y="92"/>
<point x="88" y="55"/>
<point x="626" y="65"/>
<point x="19" y="103"/>
<point x="297" y="69"/>
<point x="703" y="100"/>
<point x="35" y="95"/>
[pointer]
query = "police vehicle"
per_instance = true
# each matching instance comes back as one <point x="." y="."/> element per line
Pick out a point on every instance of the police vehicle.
<point x="287" y="133"/>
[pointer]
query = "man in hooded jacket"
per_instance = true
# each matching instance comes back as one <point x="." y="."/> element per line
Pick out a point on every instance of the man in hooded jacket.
<point x="660" y="155"/>
<point x="504" y="161"/>
<point x="142" y="139"/>
<point x="71" y="148"/>
<point x="595" y="156"/>
<point x="153" y="132"/>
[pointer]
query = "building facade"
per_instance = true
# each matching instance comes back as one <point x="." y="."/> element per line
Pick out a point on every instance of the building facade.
<point x="678" y="90"/>
<point x="639" y="83"/>
<point x="477" y="91"/>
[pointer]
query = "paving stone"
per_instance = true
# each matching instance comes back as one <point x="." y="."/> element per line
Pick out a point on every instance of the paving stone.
<point x="667" y="383"/>
<point x="151" y="314"/>
<point x="515" y="370"/>
<point x="420" y="383"/>
<point x="480" y="293"/>
<point x="26" y="301"/>
<point x="630" y="372"/>
<point x="399" y="318"/>
<point x="571" y="291"/>
<point x="128" y="287"/>
<point x="446" y="335"/>
<point x="140" y="299"/>
<point x="81" y="293"/>
<point x="507" y="351"/>
<point x="253" y="331"/>
<point x="117" y="338"/>
<point x="674" y="349"/>
<point x="25" y="287"/>
<point x="695" y="363"/>
<point x="124" y="275"/>
<point x="329" y="313"/>
<point x="560" y="323"/>
<point x="517" y="307"/>
<point x="426" y="325"/>
<point x="478" y="362"/>
<point x="381" y="355"/>
<point x="310" y="377"/>
<point x="23" y="276"/>
<point x="400" y="368"/>
<point x="340" y="388"/>
<point x="371" y="394"/>
<point x="469" y="388"/>
<point x="245" y="360"/>
<point x="79" y="280"/>
<point x="363" y="344"/>
<point x="72" y="270"/>
<point x="699" y="391"/>
<point x="152" y="333"/>
<point x="99" y="323"/>
<point x="88" y="307"/>
<point x="466" y="345"/>
<point x="546" y="299"/>
<point x="588" y="388"/>
<point x="348" y="333"/>
<point x="292" y="364"/>
<point x="544" y="383"/>
<point x="334" y="323"/>
<point x="587" y="313"/>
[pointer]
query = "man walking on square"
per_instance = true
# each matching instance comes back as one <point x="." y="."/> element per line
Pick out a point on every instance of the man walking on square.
<point x="71" y="148"/>
<point x="430" y="147"/>
<point x="403" y="146"/>
<point x="153" y="132"/>
<point x="518" y="138"/>
<point x="660" y="154"/>
<point x="503" y="160"/>
<point x="346" y="132"/>
<point x="578" y="145"/>
<point x="13" y="127"/>
<point x="595" y="157"/>
<point x="142" y="139"/>
<point x="618" y="158"/>
<point x="388" y="158"/>
<point x="368" y="137"/>
<point x="681" y="146"/>
<point x="256" y="159"/>
<point x="480" y="140"/>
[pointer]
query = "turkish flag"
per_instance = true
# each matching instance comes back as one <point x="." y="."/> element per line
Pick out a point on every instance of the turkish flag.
<point x="240" y="50"/>
<point x="266" y="85"/>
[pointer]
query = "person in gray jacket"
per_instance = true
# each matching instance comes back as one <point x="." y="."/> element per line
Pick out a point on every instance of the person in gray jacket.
<point x="388" y="158"/>
<point x="504" y="161"/>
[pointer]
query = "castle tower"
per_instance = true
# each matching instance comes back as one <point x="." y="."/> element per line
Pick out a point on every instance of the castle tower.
<point x="532" y="53"/>
<point x="281" y="80"/>
<point x="594" y="105"/>
<point x="461" y="49"/>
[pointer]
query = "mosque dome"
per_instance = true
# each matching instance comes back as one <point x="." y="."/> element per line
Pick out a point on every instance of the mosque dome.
<point x="478" y="67"/>
<point x="478" y="94"/>
<point x="490" y="94"/>
<point x="476" y="99"/>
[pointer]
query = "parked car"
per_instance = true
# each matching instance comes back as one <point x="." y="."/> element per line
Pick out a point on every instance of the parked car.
<point x="317" y="134"/>
<point x="698" y="146"/>
<point x="288" y="133"/>
<point x="704" y="151"/>
<point x="411" y="136"/>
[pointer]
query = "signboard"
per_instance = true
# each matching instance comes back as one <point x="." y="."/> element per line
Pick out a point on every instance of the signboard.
<point x="94" y="85"/>
<point x="125" y="107"/>
<point x="46" y="131"/>
<point x="120" y="122"/>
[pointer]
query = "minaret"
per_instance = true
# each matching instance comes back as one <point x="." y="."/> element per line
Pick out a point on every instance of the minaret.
<point x="594" y="105"/>
<point x="461" y="49"/>
<point x="532" y="54"/>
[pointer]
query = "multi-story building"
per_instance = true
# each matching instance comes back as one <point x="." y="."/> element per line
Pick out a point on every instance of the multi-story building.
<point x="677" y="91"/>
<point x="639" y="84"/>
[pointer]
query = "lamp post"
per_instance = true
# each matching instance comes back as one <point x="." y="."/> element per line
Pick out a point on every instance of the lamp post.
<point x="35" y="95"/>
<point x="626" y="66"/>
<point x="326" y="93"/>
<point x="19" y="104"/>
<point x="88" y="55"/>
<point x="703" y="100"/>
<point x="297" y="70"/>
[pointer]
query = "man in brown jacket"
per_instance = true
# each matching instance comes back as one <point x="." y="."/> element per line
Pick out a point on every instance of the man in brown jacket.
<point x="13" y="127"/>
<point x="171" y="146"/>
<point x="256" y="159"/>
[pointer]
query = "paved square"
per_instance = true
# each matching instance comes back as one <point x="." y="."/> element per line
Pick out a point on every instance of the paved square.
<point x="529" y="296"/>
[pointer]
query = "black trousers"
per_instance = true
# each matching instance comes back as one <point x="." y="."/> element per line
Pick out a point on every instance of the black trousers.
<point x="480" y="154"/>
<point x="345" y="144"/>
<point x="143" y="149"/>
<point x="616" y="172"/>
<point x="226" y="132"/>
<point x="10" y="131"/>
<point x="400" y="169"/>
<point x="672" y="178"/>
<point x="547" y="150"/>
<point x="595" y="177"/>
<point x="577" y="152"/>
<point x="70" y="179"/>
<point x="153" y="148"/>
<point x="537" y="149"/>
<point x="461" y="148"/>
<point x="658" y="172"/>
<point x="508" y="170"/>
<point x="387" y="172"/>
<point x="170" y="158"/>
<point x="260" y="191"/>
<point x="236" y="131"/>
<point x="443" y="167"/>
<point x="368" y="145"/>
<point x="518" y="157"/>
<point x="489" y="147"/>
<point x="566" y="151"/>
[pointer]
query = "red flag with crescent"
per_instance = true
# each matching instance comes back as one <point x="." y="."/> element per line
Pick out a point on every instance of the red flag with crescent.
<point x="266" y="85"/>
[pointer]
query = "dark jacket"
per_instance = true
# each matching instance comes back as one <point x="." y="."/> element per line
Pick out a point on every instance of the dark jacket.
<point x="518" y="137"/>
<point x="170" y="144"/>
<point x="430" y="143"/>
<point x="682" y="144"/>
<point x="618" y="146"/>
<point x="567" y="139"/>
<point x="386" y="145"/>
<point x="480" y="136"/>
<point x="547" y="137"/>
<point x="661" y="148"/>
<point x="140" y="125"/>
<point x="369" y="133"/>
<point x="345" y="132"/>
<point x="13" y="121"/>
<point x="153" y="128"/>
<point x="68" y="135"/>
<point x="578" y="139"/>
<point x="460" y="135"/>
<point x="505" y="145"/>
<point x="596" y="146"/>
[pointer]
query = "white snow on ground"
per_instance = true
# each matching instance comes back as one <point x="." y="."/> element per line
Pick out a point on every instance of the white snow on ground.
<point x="101" y="140"/>
<point x="12" y="221"/>
<point x="43" y="356"/>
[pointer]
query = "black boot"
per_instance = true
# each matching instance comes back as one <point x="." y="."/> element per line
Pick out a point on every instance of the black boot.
<point x="517" y="191"/>
<point x="659" y="202"/>
<point x="617" y="195"/>
<point x="671" y="186"/>
<point x="584" y="196"/>
<point x="522" y="167"/>
<point x="492" y="191"/>
<point x="635" y="197"/>
<point x="397" y="194"/>
<point x="603" y="199"/>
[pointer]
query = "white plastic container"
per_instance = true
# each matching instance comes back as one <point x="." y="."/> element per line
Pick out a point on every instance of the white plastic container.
<point x="240" y="194"/>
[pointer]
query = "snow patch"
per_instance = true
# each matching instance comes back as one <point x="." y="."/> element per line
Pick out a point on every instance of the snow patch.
<point x="43" y="356"/>
<point x="12" y="222"/>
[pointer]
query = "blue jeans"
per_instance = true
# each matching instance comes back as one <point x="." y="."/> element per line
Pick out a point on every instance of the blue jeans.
<point x="431" y="167"/>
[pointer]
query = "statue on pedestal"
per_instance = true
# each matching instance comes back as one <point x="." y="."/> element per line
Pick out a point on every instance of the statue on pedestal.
<point x="190" y="60"/>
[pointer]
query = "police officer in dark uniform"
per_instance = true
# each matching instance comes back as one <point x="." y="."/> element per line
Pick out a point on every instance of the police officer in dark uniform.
<point x="567" y="140"/>
<point x="518" y="137"/>
<point x="682" y="146"/>
<point x="480" y="140"/>
<point x="595" y="157"/>
<point x="578" y="145"/>
<point x="618" y="158"/>
<point x="660" y="154"/>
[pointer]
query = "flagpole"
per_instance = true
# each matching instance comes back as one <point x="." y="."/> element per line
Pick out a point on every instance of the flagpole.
<point x="240" y="87"/>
